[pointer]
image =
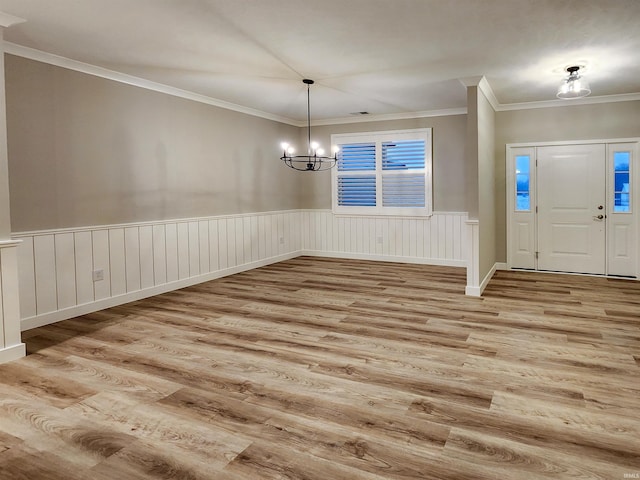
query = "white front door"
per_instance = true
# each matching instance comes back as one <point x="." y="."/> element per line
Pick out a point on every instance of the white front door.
<point x="571" y="208"/>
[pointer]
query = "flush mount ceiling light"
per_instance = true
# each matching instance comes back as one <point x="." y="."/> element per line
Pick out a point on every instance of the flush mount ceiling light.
<point x="574" y="85"/>
<point x="314" y="160"/>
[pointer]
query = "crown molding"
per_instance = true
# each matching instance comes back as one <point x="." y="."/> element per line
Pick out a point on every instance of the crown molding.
<point x="7" y="20"/>
<point x="471" y="81"/>
<point x="59" y="61"/>
<point x="486" y="89"/>
<point x="75" y="65"/>
<point x="483" y="85"/>
<point x="479" y="81"/>
<point x="387" y="117"/>
<point x="625" y="97"/>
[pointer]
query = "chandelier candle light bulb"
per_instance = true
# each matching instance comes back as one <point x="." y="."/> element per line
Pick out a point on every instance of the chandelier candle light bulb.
<point x="314" y="160"/>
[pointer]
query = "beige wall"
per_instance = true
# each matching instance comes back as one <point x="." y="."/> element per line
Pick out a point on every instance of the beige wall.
<point x="580" y="122"/>
<point x="448" y="159"/>
<point x="486" y="184"/>
<point x="471" y="154"/>
<point x="89" y="151"/>
<point x="5" y="220"/>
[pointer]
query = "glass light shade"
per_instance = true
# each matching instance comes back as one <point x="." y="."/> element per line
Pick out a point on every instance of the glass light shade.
<point x="574" y="86"/>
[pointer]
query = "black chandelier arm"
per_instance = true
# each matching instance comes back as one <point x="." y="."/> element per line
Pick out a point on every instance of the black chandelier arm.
<point x="314" y="160"/>
<point x="309" y="163"/>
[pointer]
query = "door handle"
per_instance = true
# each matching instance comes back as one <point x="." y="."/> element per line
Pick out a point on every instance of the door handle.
<point x="598" y="217"/>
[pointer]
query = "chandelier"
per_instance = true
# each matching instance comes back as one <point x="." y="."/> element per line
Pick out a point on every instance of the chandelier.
<point x="315" y="159"/>
<point x="574" y="86"/>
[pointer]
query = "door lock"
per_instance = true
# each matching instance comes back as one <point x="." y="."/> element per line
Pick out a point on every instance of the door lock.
<point x="600" y="207"/>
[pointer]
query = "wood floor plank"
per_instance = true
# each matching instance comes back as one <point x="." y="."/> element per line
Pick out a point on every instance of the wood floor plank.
<point x="59" y="390"/>
<point x="98" y="375"/>
<point x="526" y="462"/>
<point x="593" y="428"/>
<point x="202" y="443"/>
<point x="27" y="463"/>
<point x="49" y="429"/>
<point x="320" y="368"/>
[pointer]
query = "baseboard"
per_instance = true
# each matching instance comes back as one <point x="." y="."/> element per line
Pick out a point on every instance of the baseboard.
<point x="14" y="352"/>
<point x="474" y="291"/>
<point x="78" y="310"/>
<point x="488" y="277"/>
<point x="386" y="258"/>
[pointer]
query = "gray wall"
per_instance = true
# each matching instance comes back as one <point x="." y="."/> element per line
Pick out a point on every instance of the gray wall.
<point x="486" y="184"/>
<point x="471" y="154"/>
<point x="5" y="219"/>
<point x="89" y="151"/>
<point x="580" y="122"/>
<point x="448" y="159"/>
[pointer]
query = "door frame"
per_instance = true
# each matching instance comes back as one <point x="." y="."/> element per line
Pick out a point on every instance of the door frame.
<point x="524" y="257"/>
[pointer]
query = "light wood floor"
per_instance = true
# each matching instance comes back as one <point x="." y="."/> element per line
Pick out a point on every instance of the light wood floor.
<point x="332" y="369"/>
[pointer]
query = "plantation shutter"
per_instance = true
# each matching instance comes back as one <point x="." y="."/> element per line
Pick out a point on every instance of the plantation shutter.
<point x="383" y="173"/>
<point x="358" y="188"/>
<point x="403" y="178"/>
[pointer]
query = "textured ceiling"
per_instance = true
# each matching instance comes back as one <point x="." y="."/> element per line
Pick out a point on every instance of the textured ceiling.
<point x="380" y="56"/>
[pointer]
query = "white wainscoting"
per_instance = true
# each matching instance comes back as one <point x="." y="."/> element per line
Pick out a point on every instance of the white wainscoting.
<point x="474" y="287"/>
<point x="436" y="240"/>
<point x="56" y="268"/>
<point x="11" y="347"/>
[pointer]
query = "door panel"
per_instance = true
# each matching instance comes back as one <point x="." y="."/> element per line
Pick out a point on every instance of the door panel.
<point x="571" y="188"/>
<point x="622" y="218"/>
<point x="521" y="205"/>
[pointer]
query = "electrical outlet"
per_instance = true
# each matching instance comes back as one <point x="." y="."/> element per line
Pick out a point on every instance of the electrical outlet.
<point x="98" y="275"/>
<point x="281" y="240"/>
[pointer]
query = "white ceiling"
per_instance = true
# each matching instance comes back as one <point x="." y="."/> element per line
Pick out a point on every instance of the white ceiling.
<point x="381" y="56"/>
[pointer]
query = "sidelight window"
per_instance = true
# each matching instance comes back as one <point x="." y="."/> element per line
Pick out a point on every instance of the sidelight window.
<point x="523" y="183"/>
<point x="622" y="191"/>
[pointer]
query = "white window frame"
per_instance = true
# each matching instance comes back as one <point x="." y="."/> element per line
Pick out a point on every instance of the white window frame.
<point x="379" y="138"/>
